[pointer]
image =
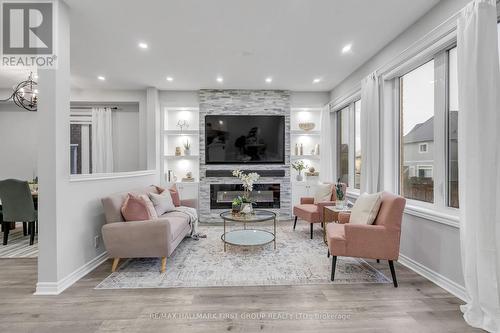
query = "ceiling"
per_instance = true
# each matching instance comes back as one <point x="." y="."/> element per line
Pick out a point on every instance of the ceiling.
<point x="245" y="41"/>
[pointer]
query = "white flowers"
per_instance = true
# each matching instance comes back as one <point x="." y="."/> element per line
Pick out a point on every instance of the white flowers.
<point x="247" y="179"/>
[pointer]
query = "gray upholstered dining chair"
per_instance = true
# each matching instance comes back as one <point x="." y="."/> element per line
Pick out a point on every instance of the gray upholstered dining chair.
<point x="17" y="206"/>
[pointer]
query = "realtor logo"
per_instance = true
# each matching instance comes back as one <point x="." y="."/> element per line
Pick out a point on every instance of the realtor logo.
<point x="28" y="34"/>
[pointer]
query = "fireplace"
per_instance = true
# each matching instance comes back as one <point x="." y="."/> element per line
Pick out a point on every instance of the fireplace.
<point x="264" y="195"/>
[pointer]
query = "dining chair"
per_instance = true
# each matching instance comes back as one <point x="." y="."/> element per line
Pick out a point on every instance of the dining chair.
<point x="17" y="206"/>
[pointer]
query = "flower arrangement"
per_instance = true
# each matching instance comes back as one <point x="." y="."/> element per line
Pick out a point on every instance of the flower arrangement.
<point x="248" y="180"/>
<point x="299" y="166"/>
<point x="187" y="145"/>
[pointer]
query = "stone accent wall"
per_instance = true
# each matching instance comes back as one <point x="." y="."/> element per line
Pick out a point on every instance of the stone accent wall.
<point x="243" y="102"/>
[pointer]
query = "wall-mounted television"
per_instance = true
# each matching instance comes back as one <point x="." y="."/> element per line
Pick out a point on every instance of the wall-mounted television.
<point x="244" y="139"/>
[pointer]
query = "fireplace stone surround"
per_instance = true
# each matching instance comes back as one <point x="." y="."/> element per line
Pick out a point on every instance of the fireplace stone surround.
<point x="243" y="102"/>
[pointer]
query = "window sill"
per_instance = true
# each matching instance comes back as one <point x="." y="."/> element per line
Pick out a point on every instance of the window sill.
<point x="448" y="219"/>
<point x="114" y="175"/>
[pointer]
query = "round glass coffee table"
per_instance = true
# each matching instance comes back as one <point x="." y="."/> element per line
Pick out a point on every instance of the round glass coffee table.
<point x="249" y="237"/>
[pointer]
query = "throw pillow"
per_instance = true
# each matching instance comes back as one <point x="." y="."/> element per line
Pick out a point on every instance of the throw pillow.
<point x="366" y="208"/>
<point x="323" y="193"/>
<point x="138" y="207"/>
<point x="162" y="202"/>
<point x="176" y="199"/>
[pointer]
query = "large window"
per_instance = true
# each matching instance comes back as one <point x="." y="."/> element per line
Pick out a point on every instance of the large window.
<point x="343" y="144"/>
<point x="417" y="132"/>
<point x="357" y="144"/>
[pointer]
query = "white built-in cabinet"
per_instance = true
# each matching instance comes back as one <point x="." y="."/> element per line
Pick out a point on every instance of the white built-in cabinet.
<point x="302" y="189"/>
<point x="173" y="136"/>
<point x="308" y="140"/>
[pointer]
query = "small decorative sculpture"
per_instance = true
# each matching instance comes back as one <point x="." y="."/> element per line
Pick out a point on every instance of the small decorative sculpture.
<point x="183" y="123"/>
<point x="307" y="126"/>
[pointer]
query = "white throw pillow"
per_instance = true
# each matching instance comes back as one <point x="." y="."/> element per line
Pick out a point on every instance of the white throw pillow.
<point x="323" y="193"/>
<point x="162" y="202"/>
<point x="366" y="208"/>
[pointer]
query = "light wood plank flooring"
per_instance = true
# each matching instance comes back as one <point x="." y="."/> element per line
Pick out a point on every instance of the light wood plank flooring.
<point x="416" y="306"/>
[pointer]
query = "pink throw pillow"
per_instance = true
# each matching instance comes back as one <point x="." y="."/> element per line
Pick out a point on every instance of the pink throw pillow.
<point x="176" y="199"/>
<point x="138" y="207"/>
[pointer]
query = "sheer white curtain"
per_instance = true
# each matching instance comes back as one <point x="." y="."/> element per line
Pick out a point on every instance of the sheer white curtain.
<point x="102" y="140"/>
<point x="479" y="167"/>
<point x="327" y="167"/>
<point x="370" y="134"/>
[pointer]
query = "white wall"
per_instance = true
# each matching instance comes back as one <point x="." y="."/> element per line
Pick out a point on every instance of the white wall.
<point x="428" y="246"/>
<point x="70" y="212"/>
<point x="308" y="99"/>
<point x="18" y="142"/>
<point x="126" y="138"/>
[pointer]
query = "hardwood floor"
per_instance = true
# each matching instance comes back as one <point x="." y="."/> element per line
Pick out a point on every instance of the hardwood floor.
<point x="416" y="306"/>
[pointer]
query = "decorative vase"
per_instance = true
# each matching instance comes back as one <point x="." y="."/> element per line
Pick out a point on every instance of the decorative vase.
<point x="299" y="177"/>
<point x="246" y="208"/>
<point x="187" y="152"/>
<point x="340" y="204"/>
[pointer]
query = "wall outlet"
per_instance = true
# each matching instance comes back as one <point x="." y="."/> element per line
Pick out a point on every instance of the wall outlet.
<point x="96" y="241"/>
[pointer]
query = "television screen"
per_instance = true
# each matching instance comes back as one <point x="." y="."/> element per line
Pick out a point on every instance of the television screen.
<point x="244" y="139"/>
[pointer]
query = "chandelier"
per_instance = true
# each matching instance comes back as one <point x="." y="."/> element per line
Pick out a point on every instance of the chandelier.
<point x="25" y="94"/>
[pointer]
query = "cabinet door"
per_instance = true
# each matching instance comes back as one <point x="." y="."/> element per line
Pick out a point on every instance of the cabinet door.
<point x="298" y="191"/>
<point x="188" y="190"/>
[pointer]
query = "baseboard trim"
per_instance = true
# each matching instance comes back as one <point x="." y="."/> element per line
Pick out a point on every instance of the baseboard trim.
<point x="440" y="280"/>
<point x="55" y="288"/>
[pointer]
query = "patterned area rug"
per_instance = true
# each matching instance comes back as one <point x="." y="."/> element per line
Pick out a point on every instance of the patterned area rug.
<point x="18" y="246"/>
<point x="297" y="260"/>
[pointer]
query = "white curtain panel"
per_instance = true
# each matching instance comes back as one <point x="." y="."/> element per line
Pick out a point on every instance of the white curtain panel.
<point x="370" y="134"/>
<point x="326" y="167"/>
<point x="479" y="167"/>
<point x="102" y="140"/>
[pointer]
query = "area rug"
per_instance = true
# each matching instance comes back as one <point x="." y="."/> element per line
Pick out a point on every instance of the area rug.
<point x="18" y="246"/>
<point x="297" y="260"/>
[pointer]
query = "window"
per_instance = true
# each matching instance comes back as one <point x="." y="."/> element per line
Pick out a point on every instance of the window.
<point x="80" y="148"/>
<point x="417" y="129"/>
<point x="357" y="144"/>
<point x="452" y="125"/>
<point x="343" y="144"/>
<point x="349" y="144"/>
<point x="422" y="148"/>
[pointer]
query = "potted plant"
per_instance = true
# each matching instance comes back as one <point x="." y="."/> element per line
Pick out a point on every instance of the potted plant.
<point x="187" y="148"/>
<point x="299" y="166"/>
<point x="236" y="205"/>
<point x="248" y="180"/>
<point x="339" y="191"/>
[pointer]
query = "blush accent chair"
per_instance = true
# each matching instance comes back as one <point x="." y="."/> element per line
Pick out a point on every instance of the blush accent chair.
<point x="312" y="212"/>
<point x="377" y="241"/>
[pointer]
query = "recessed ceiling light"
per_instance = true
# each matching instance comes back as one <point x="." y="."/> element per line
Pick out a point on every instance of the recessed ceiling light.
<point x="102" y="78"/>
<point x="219" y="79"/>
<point x="143" y="45"/>
<point x="269" y="79"/>
<point x="347" y="48"/>
<point x="317" y="80"/>
<point x="170" y="79"/>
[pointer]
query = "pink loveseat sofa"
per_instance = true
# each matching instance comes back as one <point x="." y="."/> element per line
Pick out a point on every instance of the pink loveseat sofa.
<point x="142" y="239"/>
<point x="377" y="241"/>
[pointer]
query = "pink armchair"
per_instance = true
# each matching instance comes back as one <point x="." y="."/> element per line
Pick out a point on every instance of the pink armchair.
<point x="313" y="212"/>
<point x="377" y="241"/>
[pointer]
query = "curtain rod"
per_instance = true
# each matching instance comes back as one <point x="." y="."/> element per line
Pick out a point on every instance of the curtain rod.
<point x="79" y="107"/>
